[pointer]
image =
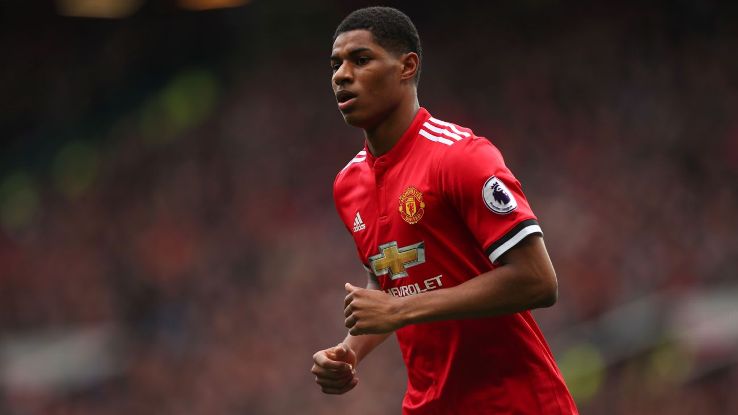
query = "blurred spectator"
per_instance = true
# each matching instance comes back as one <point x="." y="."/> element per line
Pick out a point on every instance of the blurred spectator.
<point x="168" y="177"/>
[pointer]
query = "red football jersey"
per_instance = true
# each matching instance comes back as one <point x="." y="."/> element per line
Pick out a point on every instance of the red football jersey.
<point x="436" y="210"/>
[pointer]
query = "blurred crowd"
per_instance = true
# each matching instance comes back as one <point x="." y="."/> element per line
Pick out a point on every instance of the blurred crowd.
<point x="168" y="178"/>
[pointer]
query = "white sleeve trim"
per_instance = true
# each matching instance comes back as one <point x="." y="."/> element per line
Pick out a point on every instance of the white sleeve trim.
<point x="528" y="230"/>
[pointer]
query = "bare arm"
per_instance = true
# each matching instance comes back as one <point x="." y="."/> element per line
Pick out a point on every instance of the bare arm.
<point x="525" y="280"/>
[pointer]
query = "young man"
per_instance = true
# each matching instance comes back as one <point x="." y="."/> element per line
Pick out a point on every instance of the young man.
<point x="454" y="254"/>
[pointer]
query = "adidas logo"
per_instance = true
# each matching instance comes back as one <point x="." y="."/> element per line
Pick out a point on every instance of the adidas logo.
<point x="358" y="223"/>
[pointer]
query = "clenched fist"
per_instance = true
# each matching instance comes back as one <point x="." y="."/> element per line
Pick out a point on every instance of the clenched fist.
<point x="371" y="311"/>
<point x="335" y="369"/>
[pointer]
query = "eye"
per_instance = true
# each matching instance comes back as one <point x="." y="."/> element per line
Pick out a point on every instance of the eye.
<point x="362" y="60"/>
<point x="335" y="65"/>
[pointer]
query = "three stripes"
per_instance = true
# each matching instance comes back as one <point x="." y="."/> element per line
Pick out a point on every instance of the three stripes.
<point x="448" y="135"/>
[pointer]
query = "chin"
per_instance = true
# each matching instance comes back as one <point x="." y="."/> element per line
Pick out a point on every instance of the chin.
<point x="359" y="119"/>
<point x="353" y="119"/>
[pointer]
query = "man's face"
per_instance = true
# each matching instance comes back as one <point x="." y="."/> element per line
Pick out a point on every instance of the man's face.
<point x="366" y="78"/>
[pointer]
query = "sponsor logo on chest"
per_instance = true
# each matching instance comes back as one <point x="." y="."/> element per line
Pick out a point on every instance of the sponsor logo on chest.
<point x="395" y="261"/>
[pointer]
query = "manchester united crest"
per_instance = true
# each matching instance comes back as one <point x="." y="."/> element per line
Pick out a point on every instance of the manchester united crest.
<point x="412" y="206"/>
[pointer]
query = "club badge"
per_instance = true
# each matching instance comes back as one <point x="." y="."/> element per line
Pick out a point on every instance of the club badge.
<point x="497" y="197"/>
<point x="412" y="206"/>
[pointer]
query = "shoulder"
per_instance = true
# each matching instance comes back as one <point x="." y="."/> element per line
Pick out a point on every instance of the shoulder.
<point x="351" y="171"/>
<point x="472" y="151"/>
<point x="444" y="133"/>
<point x="458" y="145"/>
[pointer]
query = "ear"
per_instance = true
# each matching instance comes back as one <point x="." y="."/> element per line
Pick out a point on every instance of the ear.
<point x="410" y="65"/>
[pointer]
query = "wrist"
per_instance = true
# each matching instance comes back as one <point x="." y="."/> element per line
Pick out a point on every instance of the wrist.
<point x="404" y="311"/>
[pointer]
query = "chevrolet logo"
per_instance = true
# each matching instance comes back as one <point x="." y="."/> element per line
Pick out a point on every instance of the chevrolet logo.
<point x="394" y="261"/>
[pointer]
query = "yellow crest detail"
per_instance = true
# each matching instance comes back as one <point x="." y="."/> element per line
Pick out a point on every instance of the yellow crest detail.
<point x="412" y="206"/>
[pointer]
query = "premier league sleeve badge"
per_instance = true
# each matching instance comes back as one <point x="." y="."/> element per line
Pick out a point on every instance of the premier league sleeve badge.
<point x="497" y="197"/>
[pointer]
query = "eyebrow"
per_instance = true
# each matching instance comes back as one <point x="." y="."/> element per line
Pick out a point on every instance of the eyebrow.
<point x="352" y="52"/>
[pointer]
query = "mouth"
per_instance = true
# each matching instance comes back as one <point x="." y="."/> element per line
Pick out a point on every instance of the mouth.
<point x="345" y="99"/>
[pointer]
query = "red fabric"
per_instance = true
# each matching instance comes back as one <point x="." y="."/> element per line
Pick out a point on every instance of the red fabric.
<point x="423" y="202"/>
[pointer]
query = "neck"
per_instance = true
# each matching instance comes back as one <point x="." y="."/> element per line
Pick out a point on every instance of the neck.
<point x="382" y="137"/>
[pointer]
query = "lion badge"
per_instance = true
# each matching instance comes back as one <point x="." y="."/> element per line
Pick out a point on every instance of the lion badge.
<point x="497" y="197"/>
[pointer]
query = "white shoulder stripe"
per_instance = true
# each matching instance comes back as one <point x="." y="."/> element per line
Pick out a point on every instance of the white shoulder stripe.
<point x="442" y="131"/>
<point x="449" y="125"/>
<point x="435" y="138"/>
<point x="358" y="159"/>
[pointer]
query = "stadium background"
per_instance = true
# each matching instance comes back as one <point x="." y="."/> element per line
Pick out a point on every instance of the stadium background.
<point x="168" y="243"/>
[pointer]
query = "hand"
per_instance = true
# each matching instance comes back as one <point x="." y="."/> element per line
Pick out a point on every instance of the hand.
<point x="335" y="369"/>
<point x="370" y="311"/>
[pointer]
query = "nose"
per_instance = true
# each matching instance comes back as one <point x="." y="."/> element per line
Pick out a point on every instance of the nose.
<point x="343" y="74"/>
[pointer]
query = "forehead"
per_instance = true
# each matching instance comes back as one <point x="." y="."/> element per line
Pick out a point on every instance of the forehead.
<point x="354" y="39"/>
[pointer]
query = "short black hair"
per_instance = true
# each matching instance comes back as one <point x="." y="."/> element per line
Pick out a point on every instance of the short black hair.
<point x="391" y="28"/>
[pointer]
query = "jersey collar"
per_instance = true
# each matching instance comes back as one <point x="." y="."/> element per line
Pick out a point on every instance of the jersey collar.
<point x="403" y="144"/>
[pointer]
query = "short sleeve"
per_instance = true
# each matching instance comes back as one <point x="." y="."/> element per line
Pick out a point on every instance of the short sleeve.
<point x="486" y="195"/>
